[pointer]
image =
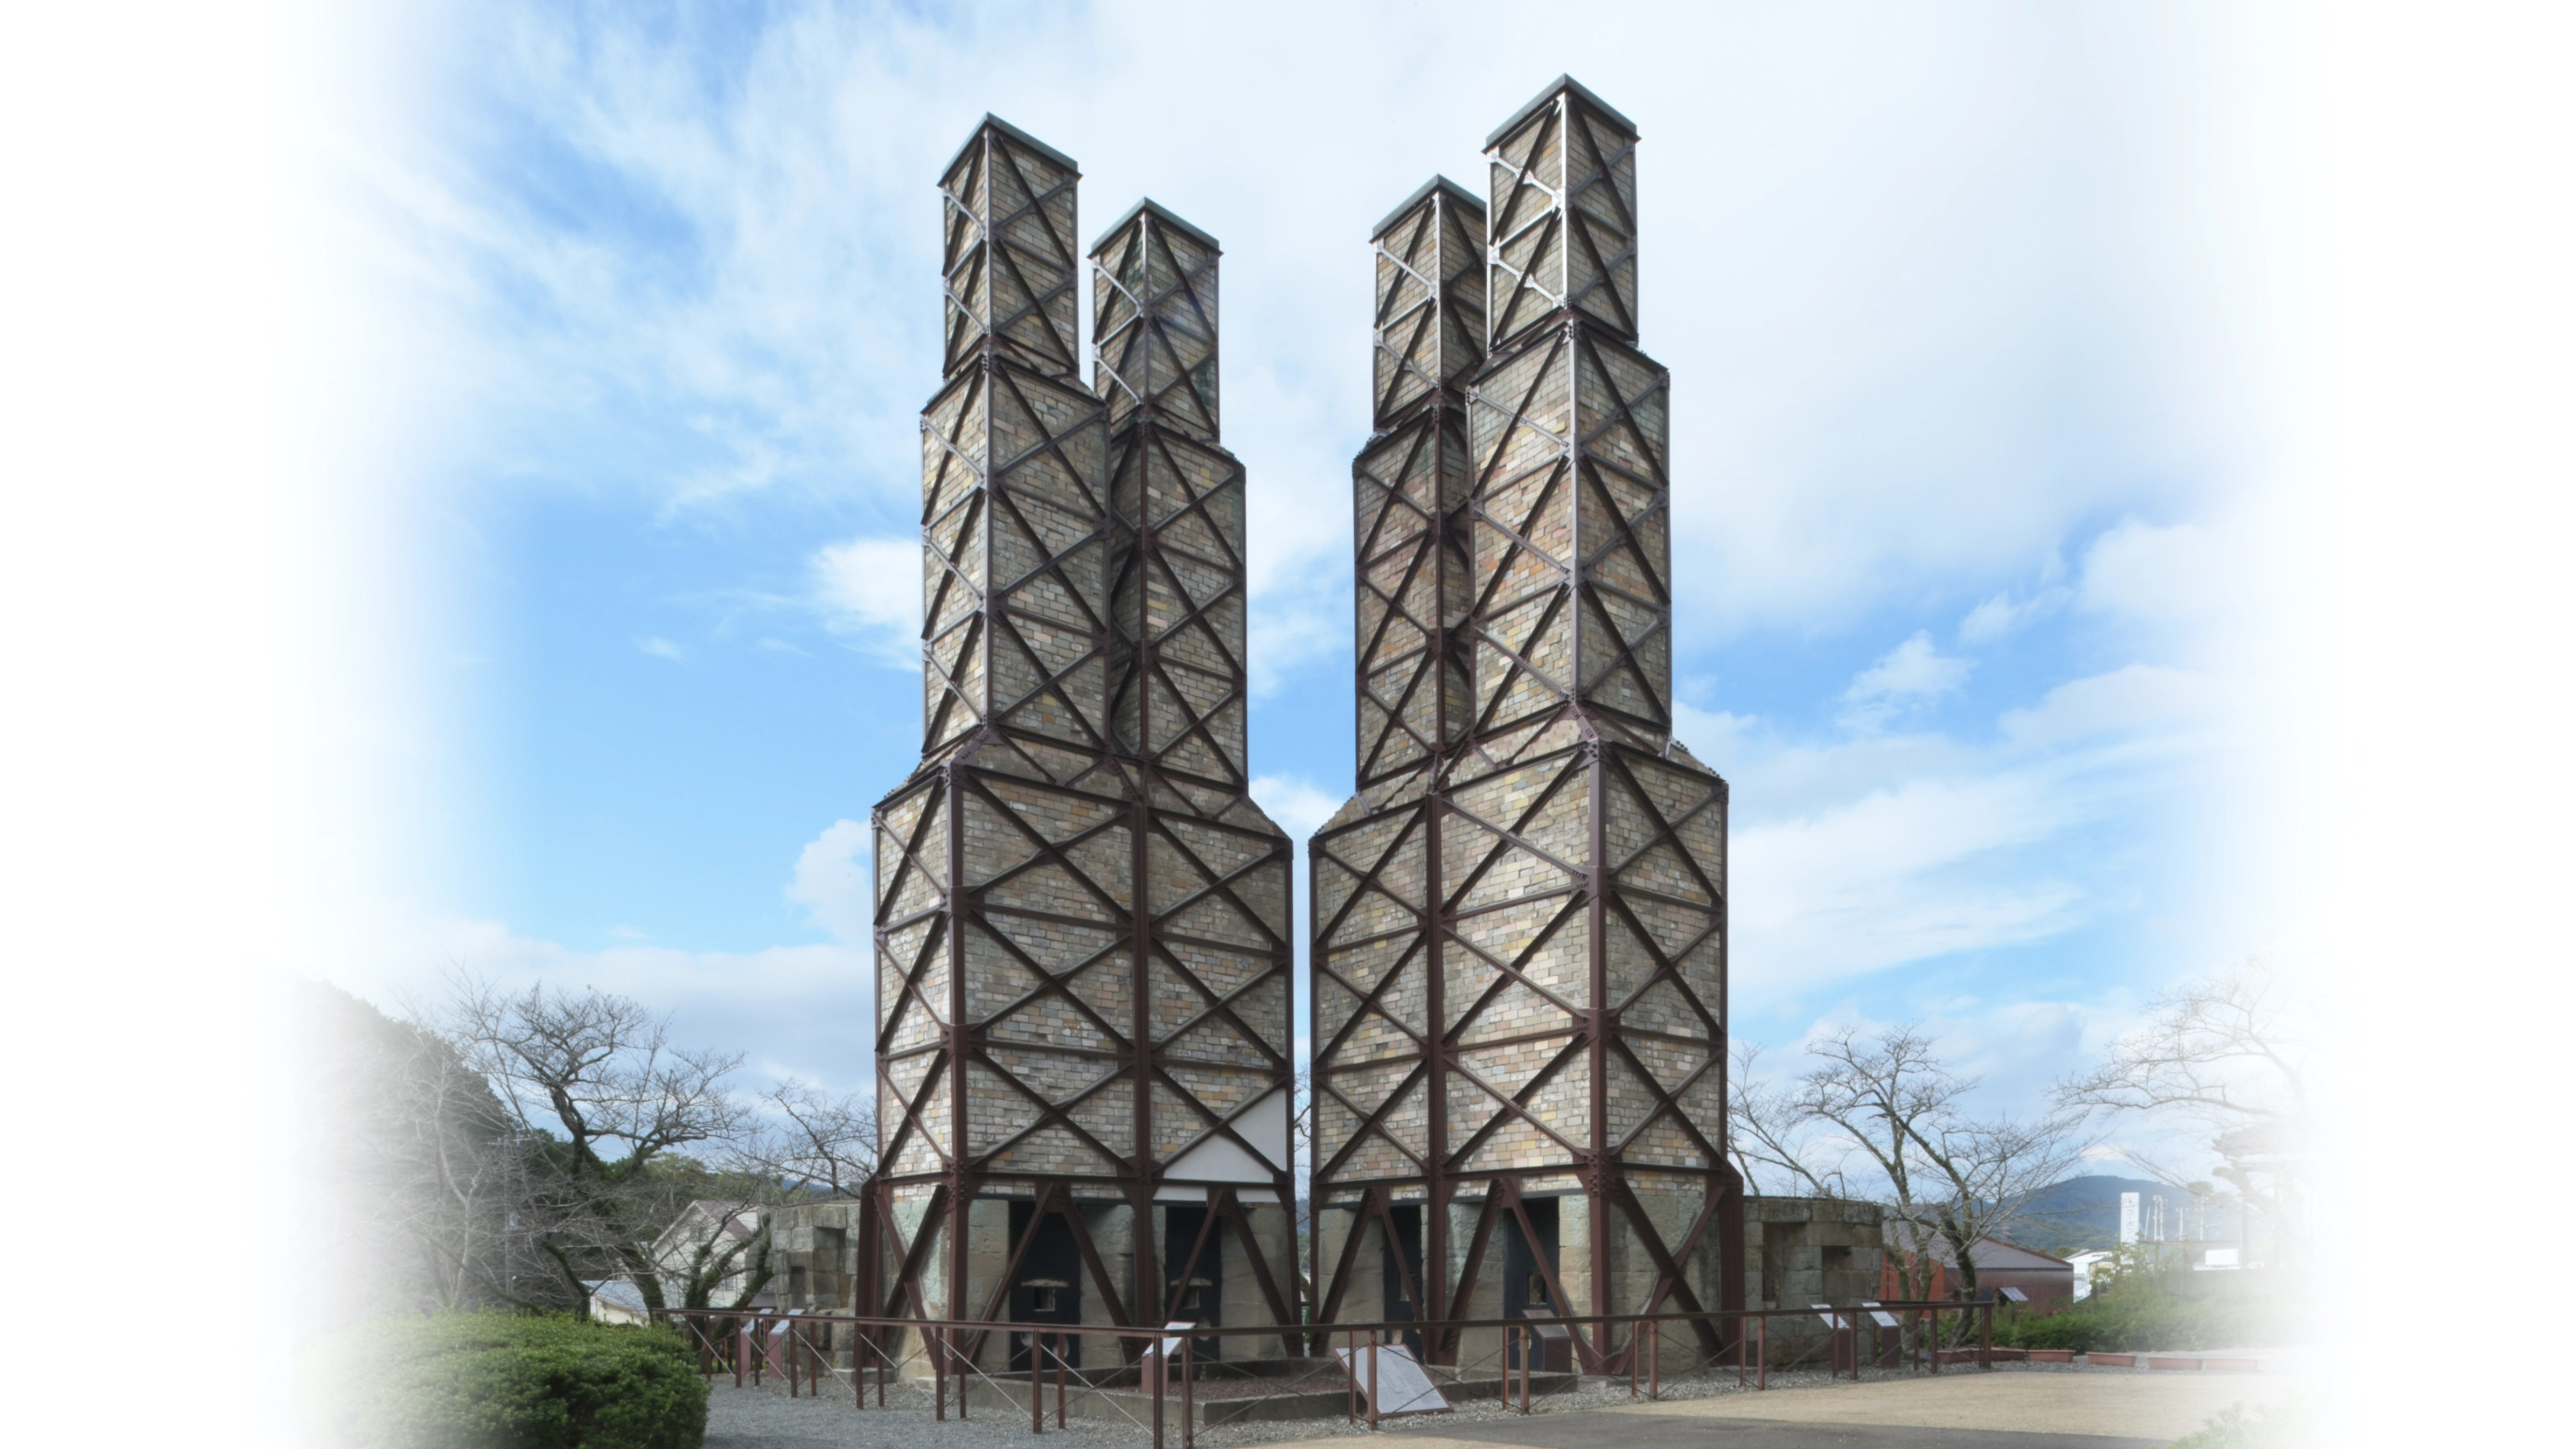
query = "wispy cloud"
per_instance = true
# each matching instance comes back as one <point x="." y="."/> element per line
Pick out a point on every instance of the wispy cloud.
<point x="804" y="1009"/>
<point x="2177" y="574"/>
<point x="1852" y="855"/>
<point x="2131" y="700"/>
<point x="661" y="648"/>
<point x="1910" y="674"/>
<point x="869" y="589"/>
<point x="1296" y="806"/>
<point x="2003" y="616"/>
<point x="831" y="882"/>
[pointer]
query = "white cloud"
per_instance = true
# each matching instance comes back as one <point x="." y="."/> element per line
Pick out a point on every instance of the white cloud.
<point x="801" y="1009"/>
<point x="2131" y="699"/>
<point x="1712" y="735"/>
<point x="1854" y="855"/>
<point x="1876" y="882"/>
<point x="1296" y="806"/>
<point x="661" y="649"/>
<point x="1292" y="627"/>
<point x="831" y="882"/>
<point x="2002" y="615"/>
<point x="1912" y="673"/>
<point x="2181" y="574"/>
<point x="870" y="588"/>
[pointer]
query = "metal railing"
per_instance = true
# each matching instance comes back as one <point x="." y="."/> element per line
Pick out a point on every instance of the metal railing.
<point x="902" y="1360"/>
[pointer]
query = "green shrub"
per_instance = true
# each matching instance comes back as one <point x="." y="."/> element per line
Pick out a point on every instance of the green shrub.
<point x="494" y="1381"/>
<point x="2138" y="1312"/>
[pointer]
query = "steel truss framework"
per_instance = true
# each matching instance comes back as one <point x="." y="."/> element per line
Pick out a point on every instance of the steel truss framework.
<point x="1081" y="916"/>
<point x="1519" y="923"/>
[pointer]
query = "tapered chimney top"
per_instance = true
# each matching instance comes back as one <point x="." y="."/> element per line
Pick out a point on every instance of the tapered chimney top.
<point x="1455" y="192"/>
<point x="1555" y="88"/>
<point x="1160" y="213"/>
<point x="993" y="122"/>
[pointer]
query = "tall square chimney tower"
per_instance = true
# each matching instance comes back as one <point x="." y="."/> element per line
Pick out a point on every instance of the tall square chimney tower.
<point x="1519" y="922"/>
<point x="1082" y="933"/>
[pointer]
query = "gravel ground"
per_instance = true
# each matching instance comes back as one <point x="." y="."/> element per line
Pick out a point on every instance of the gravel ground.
<point x="766" y="1418"/>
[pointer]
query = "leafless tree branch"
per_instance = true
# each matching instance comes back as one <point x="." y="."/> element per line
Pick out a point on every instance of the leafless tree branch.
<point x="1950" y="1177"/>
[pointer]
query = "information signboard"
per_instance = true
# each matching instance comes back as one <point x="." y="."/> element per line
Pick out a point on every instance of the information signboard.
<point x="1402" y="1386"/>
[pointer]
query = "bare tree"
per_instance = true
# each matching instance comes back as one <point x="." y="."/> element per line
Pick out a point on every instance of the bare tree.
<point x="1950" y="1177"/>
<point x="616" y="1102"/>
<point x="814" y="1143"/>
<point x="1301" y="1166"/>
<point x="2226" y="1053"/>
<point x="1774" y="1140"/>
<point x="462" y="1165"/>
<point x="415" y="1175"/>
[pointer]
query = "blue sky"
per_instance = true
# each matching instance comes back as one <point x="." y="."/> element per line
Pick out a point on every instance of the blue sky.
<point x="1976" y="404"/>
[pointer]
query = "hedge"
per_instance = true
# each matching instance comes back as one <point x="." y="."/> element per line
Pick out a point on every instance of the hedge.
<point x="496" y="1381"/>
<point x="2137" y="1312"/>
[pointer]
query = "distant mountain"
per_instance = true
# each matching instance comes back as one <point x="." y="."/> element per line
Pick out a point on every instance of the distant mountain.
<point x="2081" y="1213"/>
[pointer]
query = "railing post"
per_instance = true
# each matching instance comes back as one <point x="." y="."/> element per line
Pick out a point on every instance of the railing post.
<point x="1529" y="1342"/>
<point x="1154" y="1355"/>
<point x="1059" y="1380"/>
<point x="1350" y="1370"/>
<point x="1189" y="1395"/>
<point x="1372" y="1394"/>
<point x="1762" y="1352"/>
<point x="1655" y="1359"/>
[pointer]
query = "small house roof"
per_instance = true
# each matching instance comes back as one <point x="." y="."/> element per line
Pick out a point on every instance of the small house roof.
<point x="1987" y="1253"/>
<point x="617" y="1293"/>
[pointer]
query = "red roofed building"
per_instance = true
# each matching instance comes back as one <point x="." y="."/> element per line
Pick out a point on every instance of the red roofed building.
<point x="1999" y="1264"/>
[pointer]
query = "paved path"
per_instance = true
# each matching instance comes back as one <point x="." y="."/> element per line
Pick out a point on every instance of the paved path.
<point x="2009" y="1410"/>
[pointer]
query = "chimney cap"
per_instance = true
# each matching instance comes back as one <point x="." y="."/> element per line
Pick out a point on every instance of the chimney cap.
<point x="1160" y="213"/>
<point x="1437" y="183"/>
<point x="996" y="123"/>
<point x="1555" y="88"/>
